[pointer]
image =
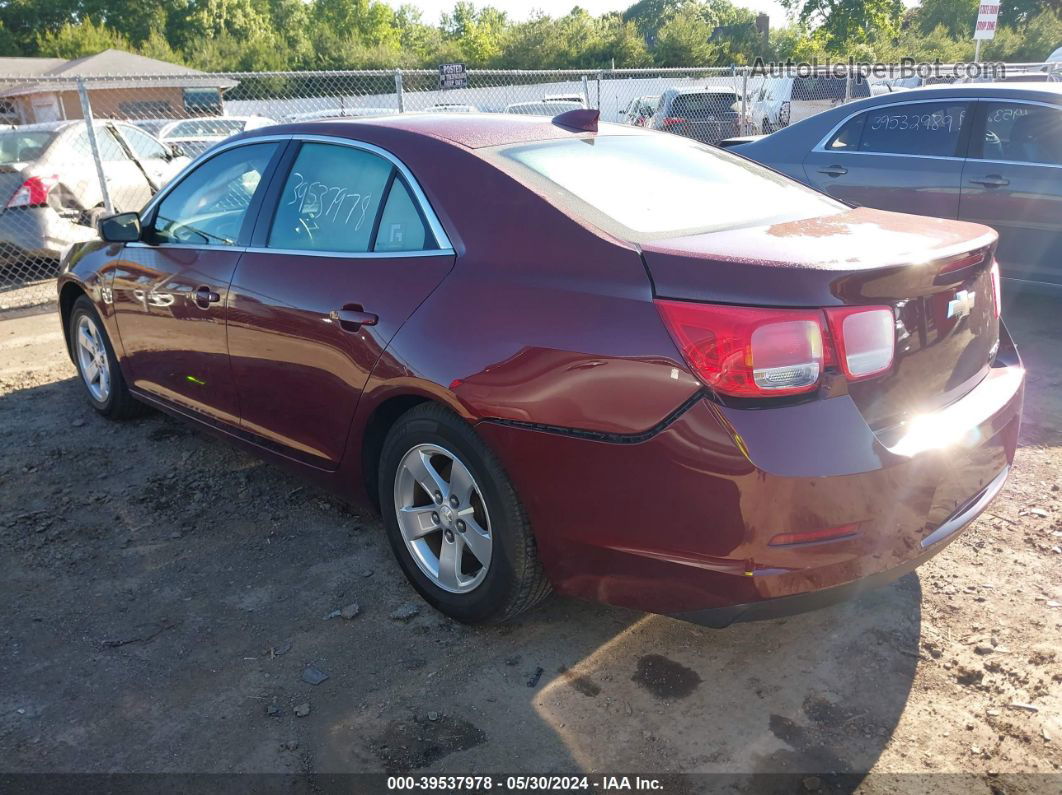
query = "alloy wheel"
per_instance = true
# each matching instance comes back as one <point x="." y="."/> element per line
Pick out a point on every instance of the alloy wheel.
<point x="443" y="518"/>
<point x="92" y="359"/>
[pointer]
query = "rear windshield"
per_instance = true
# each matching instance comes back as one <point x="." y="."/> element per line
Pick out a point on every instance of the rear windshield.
<point x="694" y="104"/>
<point x="661" y="185"/>
<point x="23" y="147"/>
<point x="209" y="127"/>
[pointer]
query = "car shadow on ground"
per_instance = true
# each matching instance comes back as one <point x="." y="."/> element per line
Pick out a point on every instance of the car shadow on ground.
<point x="168" y="593"/>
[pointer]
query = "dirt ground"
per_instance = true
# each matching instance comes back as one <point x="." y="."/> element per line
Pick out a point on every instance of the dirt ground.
<point x="164" y="595"/>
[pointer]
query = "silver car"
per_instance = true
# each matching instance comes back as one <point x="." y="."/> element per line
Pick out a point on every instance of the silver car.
<point x="50" y="191"/>
<point x="984" y="152"/>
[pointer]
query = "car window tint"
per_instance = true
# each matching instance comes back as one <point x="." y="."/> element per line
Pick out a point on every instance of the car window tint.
<point x="401" y="226"/>
<point x="208" y="207"/>
<point x="1022" y="133"/>
<point x="142" y="144"/>
<point x="924" y="128"/>
<point x="330" y="200"/>
<point x="664" y="184"/>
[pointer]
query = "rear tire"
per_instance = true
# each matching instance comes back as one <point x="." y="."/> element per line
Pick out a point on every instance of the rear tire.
<point x="439" y="551"/>
<point x="767" y="127"/>
<point x="93" y="355"/>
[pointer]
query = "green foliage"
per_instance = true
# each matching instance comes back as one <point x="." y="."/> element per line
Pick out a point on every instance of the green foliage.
<point x="76" y="40"/>
<point x="282" y="35"/>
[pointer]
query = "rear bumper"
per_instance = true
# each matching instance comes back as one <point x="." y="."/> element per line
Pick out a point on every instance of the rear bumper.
<point x="680" y="523"/>
<point x="781" y="607"/>
<point x="37" y="233"/>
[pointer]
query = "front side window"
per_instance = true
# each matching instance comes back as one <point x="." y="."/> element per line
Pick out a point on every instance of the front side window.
<point x="659" y="186"/>
<point x="331" y="199"/>
<point x="143" y="145"/>
<point x="923" y="128"/>
<point x="209" y="206"/>
<point x="1022" y="133"/>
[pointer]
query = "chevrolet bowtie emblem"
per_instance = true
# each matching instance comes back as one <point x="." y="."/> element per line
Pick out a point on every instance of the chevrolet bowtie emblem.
<point x="962" y="304"/>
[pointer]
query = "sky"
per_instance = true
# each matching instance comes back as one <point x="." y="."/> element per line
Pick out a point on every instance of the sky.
<point x="518" y="10"/>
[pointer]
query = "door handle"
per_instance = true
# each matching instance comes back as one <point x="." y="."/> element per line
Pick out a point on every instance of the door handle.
<point x="352" y="317"/>
<point x="204" y="297"/>
<point x="833" y="171"/>
<point x="991" y="181"/>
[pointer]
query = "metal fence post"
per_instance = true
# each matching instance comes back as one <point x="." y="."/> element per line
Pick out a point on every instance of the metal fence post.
<point x="600" y="74"/>
<point x="90" y="130"/>
<point x="745" y="127"/>
<point x="398" y="90"/>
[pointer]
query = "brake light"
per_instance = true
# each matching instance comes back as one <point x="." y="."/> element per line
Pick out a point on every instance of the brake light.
<point x="33" y="192"/>
<point x="673" y="121"/>
<point x="749" y="352"/>
<point x="865" y="338"/>
<point x="761" y="352"/>
<point x="997" y="292"/>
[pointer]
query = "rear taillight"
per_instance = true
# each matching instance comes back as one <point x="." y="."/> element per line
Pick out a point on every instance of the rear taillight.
<point x="673" y="121"/>
<point x="865" y="338"/>
<point x="760" y="352"/>
<point x="33" y="192"/>
<point x="997" y="293"/>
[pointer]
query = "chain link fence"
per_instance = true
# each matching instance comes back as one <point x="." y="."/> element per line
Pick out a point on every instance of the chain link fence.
<point x="75" y="149"/>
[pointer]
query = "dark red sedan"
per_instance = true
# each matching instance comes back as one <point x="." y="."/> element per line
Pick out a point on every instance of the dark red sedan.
<point x="610" y="362"/>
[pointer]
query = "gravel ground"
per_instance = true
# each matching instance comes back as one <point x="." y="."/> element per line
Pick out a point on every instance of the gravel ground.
<point x="169" y="602"/>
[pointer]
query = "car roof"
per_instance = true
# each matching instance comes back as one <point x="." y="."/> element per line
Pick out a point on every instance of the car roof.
<point x="702" y="90"/>
<point x="471" y="130"/>
<point x="1052" y="92"/>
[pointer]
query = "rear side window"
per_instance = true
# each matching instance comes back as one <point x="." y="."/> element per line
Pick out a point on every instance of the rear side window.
<point x="209" y="206"/>
<point x="1022" y="133"/>
<point x="401" y="226"/>
<point x="924" y="128"/>
<point x="110" y="150"/>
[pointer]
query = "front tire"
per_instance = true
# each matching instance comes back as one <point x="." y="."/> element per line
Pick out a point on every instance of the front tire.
<point x="454" y="521"/>
<point x="97" y="365"/>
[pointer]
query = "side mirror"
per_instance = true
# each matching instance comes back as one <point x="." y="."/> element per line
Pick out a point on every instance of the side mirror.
<point x="176" y="151"/>
<point x="121" y="228"/>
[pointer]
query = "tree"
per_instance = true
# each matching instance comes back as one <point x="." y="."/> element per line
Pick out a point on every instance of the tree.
<point x="842" y="23"/>
<point x="75" y="40"/>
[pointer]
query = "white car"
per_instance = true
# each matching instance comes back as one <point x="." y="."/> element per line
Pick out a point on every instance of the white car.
<point x="451" y="107"/>
<point x="195" y="136"/>
<point x="340" y="113"/>
<point x="782" y="101"/>
<point x="547" y="107"/>
<point x="50" y="194"/>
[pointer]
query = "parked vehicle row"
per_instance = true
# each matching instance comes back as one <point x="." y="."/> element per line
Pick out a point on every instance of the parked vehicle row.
<point x="984" y="152"/>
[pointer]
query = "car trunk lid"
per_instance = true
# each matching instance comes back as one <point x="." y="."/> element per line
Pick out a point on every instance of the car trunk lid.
<point x="934" y="274"/>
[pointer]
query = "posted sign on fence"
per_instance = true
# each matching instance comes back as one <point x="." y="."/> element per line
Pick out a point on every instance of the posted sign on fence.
<point x="987" y="15"/>
<point x="453" y="75"/>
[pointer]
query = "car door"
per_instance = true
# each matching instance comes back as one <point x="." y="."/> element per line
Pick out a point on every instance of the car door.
<point x="1012" y="181"/>
<point x="905" y="156"/>
<point x="128" y="187"/>
<point x="346" y="249"/>
<point x="157" y="161"/>
<point x="171" y="291"/>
